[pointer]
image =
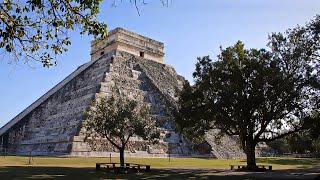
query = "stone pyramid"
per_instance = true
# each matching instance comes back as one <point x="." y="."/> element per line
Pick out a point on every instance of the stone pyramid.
<point x="52" y="125"/>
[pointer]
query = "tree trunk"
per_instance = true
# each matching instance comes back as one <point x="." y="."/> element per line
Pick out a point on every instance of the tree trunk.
<point x="251" y="155"/>
<point x="121" y="156"/>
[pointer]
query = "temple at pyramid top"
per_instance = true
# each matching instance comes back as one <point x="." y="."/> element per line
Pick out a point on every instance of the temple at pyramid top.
<point x="123" y="40"/>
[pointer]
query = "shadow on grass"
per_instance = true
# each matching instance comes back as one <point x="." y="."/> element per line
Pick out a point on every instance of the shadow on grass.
<point x="303" y="162"/>
<point x="18" y="172"/>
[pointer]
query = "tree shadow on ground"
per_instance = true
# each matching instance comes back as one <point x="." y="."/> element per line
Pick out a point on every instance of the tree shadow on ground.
<point x="303" y="162"/>
<point x="28" y="172"/>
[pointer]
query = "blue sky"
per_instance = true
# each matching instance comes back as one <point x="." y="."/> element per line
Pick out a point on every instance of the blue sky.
<point x="189" y="28"/>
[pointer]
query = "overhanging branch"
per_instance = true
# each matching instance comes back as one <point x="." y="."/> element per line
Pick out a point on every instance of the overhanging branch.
<point x="280" y="135"/>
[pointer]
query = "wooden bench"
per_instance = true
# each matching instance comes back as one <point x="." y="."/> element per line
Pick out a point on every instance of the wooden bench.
<point x="232" y="167"/>
<point x="147" y="167"/>
<point x="128" y="166"/>
<point x="269" y="167"/>
<point x="108" y="165"/>
<point x="265" y="167"/>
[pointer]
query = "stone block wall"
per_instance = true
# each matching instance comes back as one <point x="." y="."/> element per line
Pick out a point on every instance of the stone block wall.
<point x="122" y="40"/>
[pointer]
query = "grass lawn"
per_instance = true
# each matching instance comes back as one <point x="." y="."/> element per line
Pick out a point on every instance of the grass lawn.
<point x="16" y="167"/>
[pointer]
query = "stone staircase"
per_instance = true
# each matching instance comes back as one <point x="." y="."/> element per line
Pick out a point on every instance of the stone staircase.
<point x="224" y="147"/>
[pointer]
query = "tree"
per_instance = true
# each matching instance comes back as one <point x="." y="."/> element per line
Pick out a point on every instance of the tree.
<point x="307" y="140"/>
<point x="300" y="143"/>
<point x="257" y="95"/>
<point x="119" y="118"/>
<point x="316" y="146"/>
<point x="38" y="30"/>
<point x="313" y="126"/>
<point x="280" y="146"/>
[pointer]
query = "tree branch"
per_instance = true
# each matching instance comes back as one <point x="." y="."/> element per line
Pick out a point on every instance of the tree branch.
<point x="113" y="143"/>
<point x="279" y="136"/>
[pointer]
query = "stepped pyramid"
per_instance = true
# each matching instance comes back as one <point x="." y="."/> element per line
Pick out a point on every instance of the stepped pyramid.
<point x="52" y="125"/>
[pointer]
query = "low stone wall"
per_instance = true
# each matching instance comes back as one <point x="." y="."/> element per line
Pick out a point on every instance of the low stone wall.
<point x="141" y="154"/>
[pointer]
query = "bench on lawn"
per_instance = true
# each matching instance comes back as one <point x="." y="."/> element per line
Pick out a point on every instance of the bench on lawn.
<point x="269" y="167"/>
<point x="147" y="167"/>
<point x="128" y="166"/>
<point x="105" y="165"/>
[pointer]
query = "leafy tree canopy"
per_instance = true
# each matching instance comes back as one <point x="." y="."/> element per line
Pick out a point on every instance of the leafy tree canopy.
<point x="119" y="118"/>
<point x="302" y="143"/>
<point x="38" y="30"/>
<point x="256" y="94"/>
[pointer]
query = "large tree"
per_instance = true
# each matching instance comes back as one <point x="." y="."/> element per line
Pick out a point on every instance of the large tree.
<point x="38" y="30"/>
<point x="119" y="118"/>
<point x="257" y="95"/>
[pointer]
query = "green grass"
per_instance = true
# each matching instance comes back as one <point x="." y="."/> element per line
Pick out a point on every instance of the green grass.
<point x="16" y="167"/>
<point x="277" y="163"/>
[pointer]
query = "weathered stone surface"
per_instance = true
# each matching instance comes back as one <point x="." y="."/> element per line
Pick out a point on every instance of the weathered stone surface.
<point x="224" y="147"/>
<point x="49" y="128"/>
<point x="122" y="40"/>
<point x="53" y="124"/>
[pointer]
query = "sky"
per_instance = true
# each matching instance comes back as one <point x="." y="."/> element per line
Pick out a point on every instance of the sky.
<point x="188" y="28"/>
